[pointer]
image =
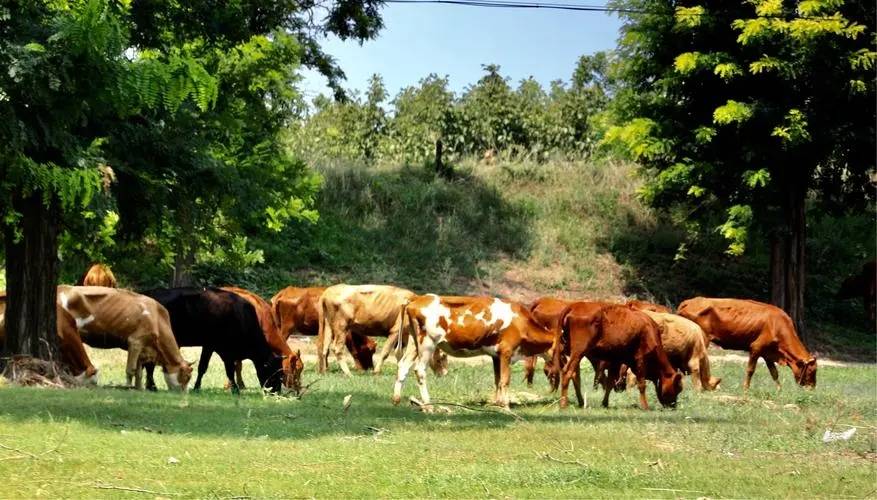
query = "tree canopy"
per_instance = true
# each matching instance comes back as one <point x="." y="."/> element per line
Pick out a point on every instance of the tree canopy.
<point x="740" y="111"/>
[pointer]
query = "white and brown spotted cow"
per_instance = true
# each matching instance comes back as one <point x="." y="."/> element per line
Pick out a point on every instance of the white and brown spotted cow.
<point x="468" y="326"/>
<point x="114" y="318"/>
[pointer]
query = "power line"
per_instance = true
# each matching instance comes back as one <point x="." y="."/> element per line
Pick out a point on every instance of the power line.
<point x="577" y="7"/>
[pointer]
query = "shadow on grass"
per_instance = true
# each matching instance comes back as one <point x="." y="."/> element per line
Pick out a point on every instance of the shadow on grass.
<point x="213" y="413"/>
<point x="403" y="226"/>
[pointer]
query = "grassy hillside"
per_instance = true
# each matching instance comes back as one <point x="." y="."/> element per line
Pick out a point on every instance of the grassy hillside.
<point x="523" y="230"/>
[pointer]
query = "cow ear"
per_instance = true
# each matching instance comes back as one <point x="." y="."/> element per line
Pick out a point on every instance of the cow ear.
<point x="298" y="352"/>
<point x="812" y="361"/>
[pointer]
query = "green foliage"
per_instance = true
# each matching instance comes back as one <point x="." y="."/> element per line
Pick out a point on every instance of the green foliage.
<point x="788" y="102"/>
<point x="490" y="115"/>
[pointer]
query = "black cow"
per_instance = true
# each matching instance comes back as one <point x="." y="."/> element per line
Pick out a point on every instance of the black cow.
<point x="220" y="322"/>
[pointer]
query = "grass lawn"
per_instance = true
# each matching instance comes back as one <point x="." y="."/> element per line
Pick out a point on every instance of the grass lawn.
<point x="87" y="442"/>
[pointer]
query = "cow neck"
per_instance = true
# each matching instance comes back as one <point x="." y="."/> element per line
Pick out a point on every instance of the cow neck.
<point x="167" y="347"/>
<point x="790" y="346"/>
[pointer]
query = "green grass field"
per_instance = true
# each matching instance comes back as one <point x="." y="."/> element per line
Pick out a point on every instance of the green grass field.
<point x="92" y="442"/>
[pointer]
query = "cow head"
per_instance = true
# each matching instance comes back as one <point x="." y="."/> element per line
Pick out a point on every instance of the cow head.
<point x="270" y="372"/>
<point x="805" y="372"/>
<point x="292" y="367"/>
<point x="439" y="363"/>
<point x="363" y="350"/>
<point x="178" y="380"/>
<point x="668" y="389"/>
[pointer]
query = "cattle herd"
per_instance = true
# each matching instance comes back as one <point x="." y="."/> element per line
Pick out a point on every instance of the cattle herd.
<point x="626" y="343"/>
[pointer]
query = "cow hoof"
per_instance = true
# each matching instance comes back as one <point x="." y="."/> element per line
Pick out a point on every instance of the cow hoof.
<point x="397" y="400"/>
<point x="564" y="402"/>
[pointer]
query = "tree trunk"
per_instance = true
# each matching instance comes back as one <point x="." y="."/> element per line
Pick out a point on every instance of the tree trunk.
<point x="184" y="258"/>
<point x="787" y="259"/>
<point x="31" y="280"/>
<point x="183" y="262"/>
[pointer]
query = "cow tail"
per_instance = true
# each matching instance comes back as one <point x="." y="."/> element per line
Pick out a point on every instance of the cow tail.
<point x="401" y="336"/>
<point x="323" y="330"/>
<point x="561" y="330"/>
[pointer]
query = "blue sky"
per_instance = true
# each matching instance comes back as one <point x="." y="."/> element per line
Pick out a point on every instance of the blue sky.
<point x="456" y="40"/>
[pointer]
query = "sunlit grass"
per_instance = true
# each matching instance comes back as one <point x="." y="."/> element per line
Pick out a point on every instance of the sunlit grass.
<point x="215" y="444"/>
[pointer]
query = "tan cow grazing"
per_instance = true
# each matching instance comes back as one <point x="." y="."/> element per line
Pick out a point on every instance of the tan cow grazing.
<point x="615" y="335"/>
<point x="463" y="327"/>
<point x="73" y="354"/>
<point x="292" y="364"/>
<point x="684" y="344"/>
<point x="765" y="331"/>
<point x="372" y="310"/>
<point x="98" y="275"/>
<point x="114" y="318"/>
<point x="642" y="305"/>
<point x="296" y="312"/>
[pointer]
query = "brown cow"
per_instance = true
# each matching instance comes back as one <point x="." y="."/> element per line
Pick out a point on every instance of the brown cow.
<point x="73" y="353"/>
<point x="642" y="305"/>
<point x="765" y="331"/>
<point x="98" y="275"/>
<point x="616" y="335"/>
<point x="683" y="341"/>
<point x="546" y="311"/>
<point x="296" y="311"/>
<point x="863" y="284"/>
<point x="292" y="363"/>
<point x="114" y="318"/>
<point x="468" y="326"/>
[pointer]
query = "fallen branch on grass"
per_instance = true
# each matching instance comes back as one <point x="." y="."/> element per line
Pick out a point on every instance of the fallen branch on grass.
<point x="102" y="486"/>
<point x="547" y="456"/>
<point x="416" y="402"/>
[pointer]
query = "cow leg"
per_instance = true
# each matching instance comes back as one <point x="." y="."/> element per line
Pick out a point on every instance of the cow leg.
<point x="529" y="369"/>
<point x="577" y="385"/>
<point x="402" y="370"/>
<point x="203" y="363"/>
<point x="238" y="365"/>
<point x="608" y="385"/>
<point x="750" y="368"/>
<point x="135" y="347"/>
<point x="694" y="368"/>
<point x="772" y="367"/>
<point x="427" y="349"/>
<point x="150" y="376"/>
<point x="505" y="378"/>
<point x="389" y="345"/>
<point x="229" y="373"/>
<point x="568" y="374"/>
<point x="338" y="346"/>
<point x="641" y="385"/>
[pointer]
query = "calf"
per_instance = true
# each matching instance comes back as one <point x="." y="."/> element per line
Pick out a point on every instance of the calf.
<point x="291" y="364"/>
<point x="686" y="349"/>
<point x="296" y="311"/>
<point x="98" y="275"/>
<point x="112" y="318"/>
<point x="616" y="335"/>
<point x="765" y="331"/>
<point x="73" y="354"/>
<point x="224" y="323"/>
<point x="467" y="326"/>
